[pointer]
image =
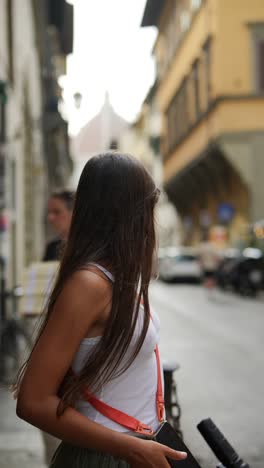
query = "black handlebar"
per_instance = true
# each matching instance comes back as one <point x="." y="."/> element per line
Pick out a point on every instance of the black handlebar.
<point x="219" y="445"/>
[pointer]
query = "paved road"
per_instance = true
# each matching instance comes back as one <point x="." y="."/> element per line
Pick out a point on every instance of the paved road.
<point x="219" y="344"/>
<point x="20" y="444"/>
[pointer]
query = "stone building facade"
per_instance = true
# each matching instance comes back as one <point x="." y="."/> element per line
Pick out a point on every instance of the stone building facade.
<point x="29" y="41"/>
<point x="210" y="91"/>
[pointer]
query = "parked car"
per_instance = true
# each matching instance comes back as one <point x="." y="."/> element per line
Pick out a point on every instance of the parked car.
<point x="225" y="267"/>
<point x="181" y="263"/>
<point x="244" y="274"/>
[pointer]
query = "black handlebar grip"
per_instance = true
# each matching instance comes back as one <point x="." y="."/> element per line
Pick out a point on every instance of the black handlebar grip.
<point x="219" y="445"/>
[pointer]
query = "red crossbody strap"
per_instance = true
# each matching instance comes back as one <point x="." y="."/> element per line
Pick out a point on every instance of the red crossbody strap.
<point x="159" y="394"/>
<point x="117" y="416"/>
<point x="124" y="419"/>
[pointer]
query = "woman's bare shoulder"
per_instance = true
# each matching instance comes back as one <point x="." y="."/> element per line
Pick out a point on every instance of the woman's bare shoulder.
<point x="83" y="291"/>
<point x="85" y="285"/>
<point x="90" y="278"/>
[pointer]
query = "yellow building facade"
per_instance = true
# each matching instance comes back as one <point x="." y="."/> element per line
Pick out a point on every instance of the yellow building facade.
<point x="210" y="90"/>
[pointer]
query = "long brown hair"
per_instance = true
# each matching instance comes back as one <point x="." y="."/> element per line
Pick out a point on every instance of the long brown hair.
<point x="112" y="224"/>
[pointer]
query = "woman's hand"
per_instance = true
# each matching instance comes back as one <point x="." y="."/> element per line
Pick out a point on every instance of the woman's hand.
<point x="150" y="454"/>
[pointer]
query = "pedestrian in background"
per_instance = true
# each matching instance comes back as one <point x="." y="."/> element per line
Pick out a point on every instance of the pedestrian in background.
<point x="60" y="206"/>
<point x="99" y="337"/>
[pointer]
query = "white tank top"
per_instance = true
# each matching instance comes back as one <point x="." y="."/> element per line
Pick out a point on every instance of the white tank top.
<point x="134" y="391"/>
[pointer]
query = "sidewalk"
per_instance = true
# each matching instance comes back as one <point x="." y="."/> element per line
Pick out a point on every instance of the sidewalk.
<point x="20" y="444"/>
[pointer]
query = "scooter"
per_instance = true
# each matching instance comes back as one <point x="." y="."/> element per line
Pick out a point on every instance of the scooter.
<point x="222" y="449"/>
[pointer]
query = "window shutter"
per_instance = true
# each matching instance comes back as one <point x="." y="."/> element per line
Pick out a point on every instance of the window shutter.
<point x="261" y="65"/>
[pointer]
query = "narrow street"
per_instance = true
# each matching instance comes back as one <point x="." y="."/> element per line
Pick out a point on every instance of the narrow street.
<point x="20" y="444"/>
<point x="218" y="342"/>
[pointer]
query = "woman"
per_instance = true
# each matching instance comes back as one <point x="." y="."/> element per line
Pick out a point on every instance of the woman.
<point x="97" y="336"/>
<point x="60" y="206"/>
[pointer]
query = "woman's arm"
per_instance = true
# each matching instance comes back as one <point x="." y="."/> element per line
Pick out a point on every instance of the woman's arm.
<point x="84" y="301"/>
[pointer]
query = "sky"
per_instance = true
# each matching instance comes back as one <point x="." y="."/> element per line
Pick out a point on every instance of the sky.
<point x="111" y="53"/>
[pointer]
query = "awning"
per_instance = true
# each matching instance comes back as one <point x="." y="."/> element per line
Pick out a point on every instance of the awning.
<point x="211" y="175"/>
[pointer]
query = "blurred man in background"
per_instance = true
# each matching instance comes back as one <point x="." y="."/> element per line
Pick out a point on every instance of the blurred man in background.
<point x="60" y="206"/>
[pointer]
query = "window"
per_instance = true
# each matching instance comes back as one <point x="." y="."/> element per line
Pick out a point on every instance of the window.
<point x="260" y="65"/>
<point x="171" y="40"/>
<point x="3" y="100"/>
<point x="207" y="71"/>
<point x="195" y="77"/>
<point x="171" y="36"/>
<point x="2" y="179"/>
<point x="178" y="116"/>
<point x="258" y="54"/>
<point x="10" y="40"/>
<point x="113" y="144"/>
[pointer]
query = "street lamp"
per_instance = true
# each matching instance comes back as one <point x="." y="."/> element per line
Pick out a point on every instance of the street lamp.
<point x="77" y="99"/>
<point x="155" y="131"/>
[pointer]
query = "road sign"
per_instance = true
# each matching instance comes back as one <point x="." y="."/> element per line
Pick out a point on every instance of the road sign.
<point x="225" y="212"/>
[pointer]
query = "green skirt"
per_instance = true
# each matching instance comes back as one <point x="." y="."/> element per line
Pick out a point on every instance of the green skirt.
<point x="71" y="456"/>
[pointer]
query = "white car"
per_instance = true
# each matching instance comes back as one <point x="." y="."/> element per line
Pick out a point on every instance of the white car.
<point x="180" y="263"/>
